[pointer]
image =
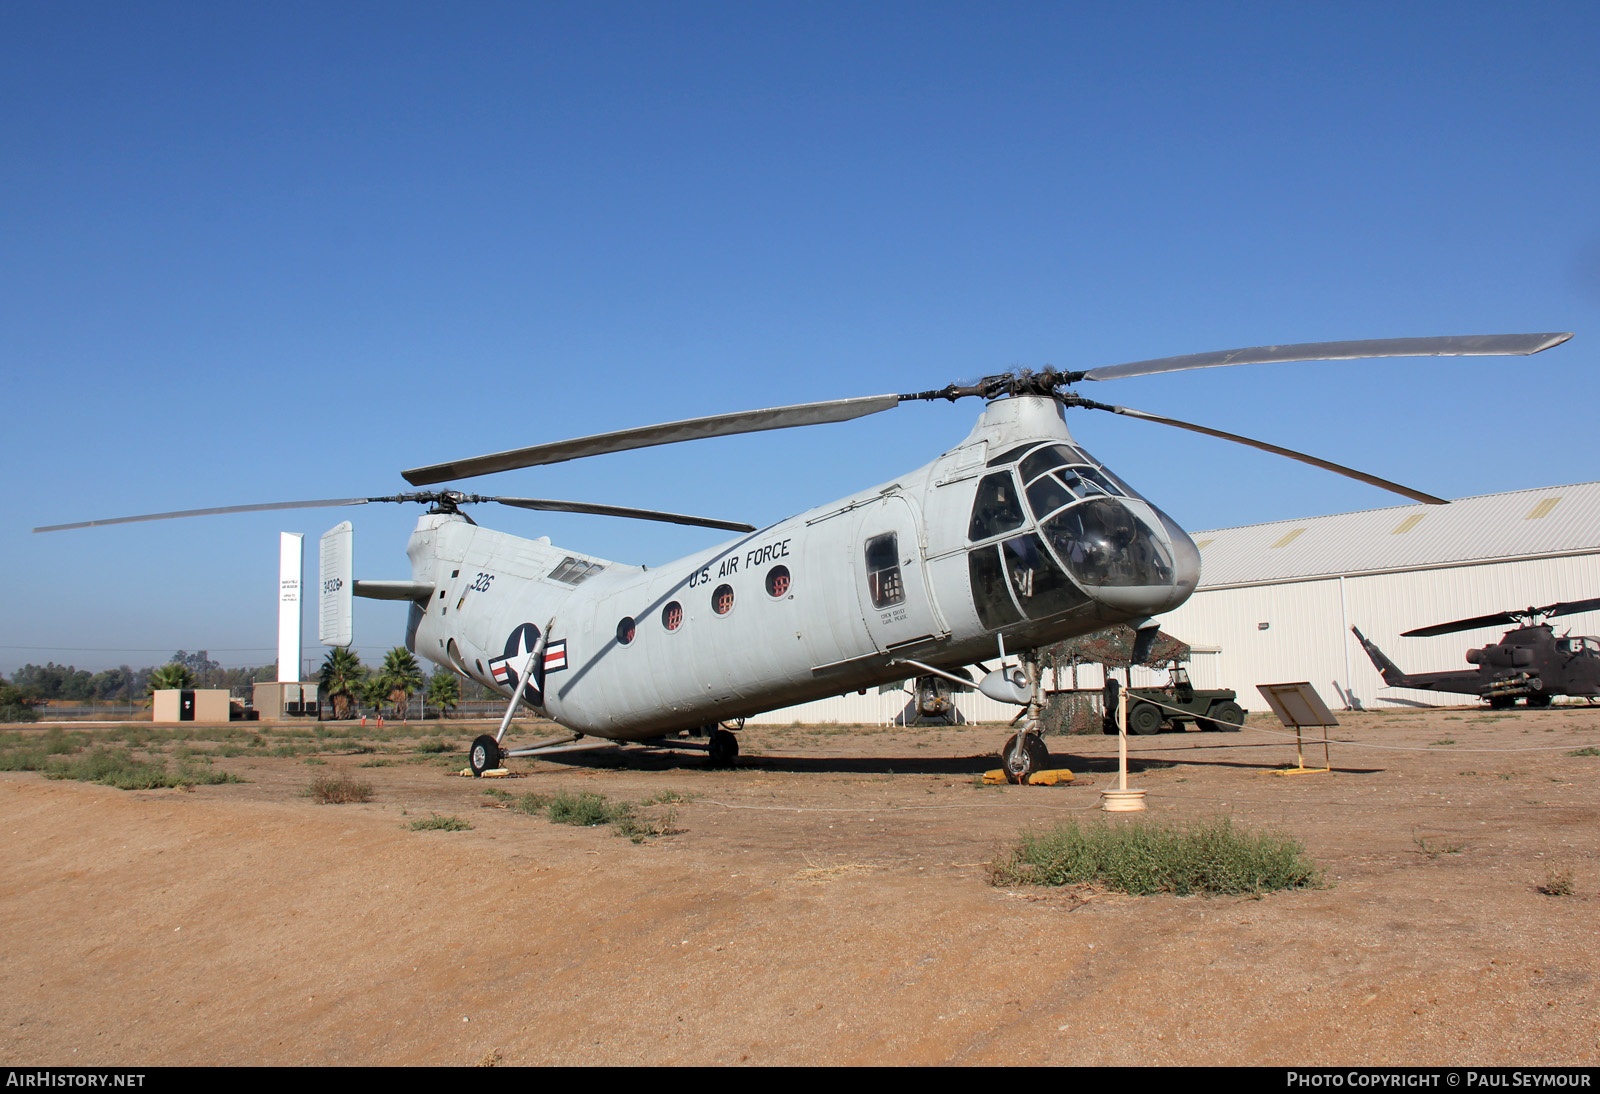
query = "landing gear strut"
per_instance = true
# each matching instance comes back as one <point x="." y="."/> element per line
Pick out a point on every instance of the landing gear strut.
<point x="1025" y="752"/>
<point x="724" y="748"/>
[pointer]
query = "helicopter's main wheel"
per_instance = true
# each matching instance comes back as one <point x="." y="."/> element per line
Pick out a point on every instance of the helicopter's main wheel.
<point x="1035" y="756"/>
<point x="485" y="755"/>
<point x="1538" y="699"/>
<point x="724" y="748"/>
<point x="1501" y="702"/>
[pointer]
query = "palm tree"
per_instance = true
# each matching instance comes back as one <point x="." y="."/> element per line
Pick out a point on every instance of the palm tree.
<point x="373" y="691"/>
<point x="171" y="675"/>
<point x="444" y="690"/>
<point x="342" y="672"/>
<point x="402" y="678"/>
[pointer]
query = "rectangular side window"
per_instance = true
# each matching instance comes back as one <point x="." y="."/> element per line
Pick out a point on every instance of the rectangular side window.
<point x="883" y="570"/>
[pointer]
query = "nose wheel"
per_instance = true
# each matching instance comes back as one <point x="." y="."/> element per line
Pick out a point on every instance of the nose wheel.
<point x="1019" y="763"/>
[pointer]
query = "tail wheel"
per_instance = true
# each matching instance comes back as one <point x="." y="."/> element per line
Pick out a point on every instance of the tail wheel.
<point x="485" y="755"/>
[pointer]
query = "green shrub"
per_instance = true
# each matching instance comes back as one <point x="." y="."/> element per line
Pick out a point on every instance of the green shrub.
<point x="339" y="789"/>
<point x="115" y="767"/>
<point x="580" y="809"/>
<point x="1144" y="857"/>
<point x="111" y="767"/>
<point x="435" y="823"/>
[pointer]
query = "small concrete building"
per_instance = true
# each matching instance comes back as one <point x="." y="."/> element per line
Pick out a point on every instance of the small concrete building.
<point x="276" y="701"/>
<point x="190" y="705"/>
<point x="1277" y="601"/>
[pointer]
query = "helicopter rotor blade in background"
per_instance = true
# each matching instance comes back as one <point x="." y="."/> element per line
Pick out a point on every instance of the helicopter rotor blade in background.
<point x="1314" y="461"/>
<point x="717" y="425"/>
<point x="1498" y="619"/>
<point x="1466" y="345"/>
<point x="1506" y="619"/>
<point x="267" y="507"/>
<point x="1570" y="607"/>
<point x="622" y="511"/>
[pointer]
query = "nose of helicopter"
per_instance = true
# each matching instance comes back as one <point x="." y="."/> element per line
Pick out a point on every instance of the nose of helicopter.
<point x="1167" y="574"/>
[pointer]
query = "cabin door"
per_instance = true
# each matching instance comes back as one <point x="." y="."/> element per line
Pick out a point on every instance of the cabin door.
<point x="891" y="581"/>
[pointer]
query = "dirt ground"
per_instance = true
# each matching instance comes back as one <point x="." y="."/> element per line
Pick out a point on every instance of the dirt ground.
<point x="826" y="902"/>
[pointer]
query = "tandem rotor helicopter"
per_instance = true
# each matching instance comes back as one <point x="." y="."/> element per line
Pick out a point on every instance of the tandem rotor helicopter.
<point x="1011" y="540"/>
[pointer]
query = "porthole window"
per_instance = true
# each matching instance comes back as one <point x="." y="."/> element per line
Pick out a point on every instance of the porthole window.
<point x="672" y="616"/>
<point x="722" y="600"/>
<point x="778" y="581"/>
<point x="625" y="630"/>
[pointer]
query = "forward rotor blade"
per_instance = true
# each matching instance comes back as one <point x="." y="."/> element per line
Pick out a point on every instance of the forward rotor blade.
<point x="718" y="425"/>
<point x="1570" y="607"/>
<point x="325" y="503"/>
<point x="1326" y="465"/>
<point x="1498" y="619"/>
<point x="622" y="511"/>
<point x="1465" y="345"/>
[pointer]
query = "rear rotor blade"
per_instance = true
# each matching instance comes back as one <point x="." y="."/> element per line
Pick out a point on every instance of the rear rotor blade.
<point x="622" y="511"/>
<point x="718" y="425"/>
<point x="1465" y="345"/>
<point x="325" y="503"/>
<point x="1326" y="465"/>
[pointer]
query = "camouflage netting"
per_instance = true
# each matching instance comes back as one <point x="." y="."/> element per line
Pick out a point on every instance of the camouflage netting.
<point x="1112" y="648"/>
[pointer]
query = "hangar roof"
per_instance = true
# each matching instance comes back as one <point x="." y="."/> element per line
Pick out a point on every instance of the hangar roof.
<point x="1520" y="524"/>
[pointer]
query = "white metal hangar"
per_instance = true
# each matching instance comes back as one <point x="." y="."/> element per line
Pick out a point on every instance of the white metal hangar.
<point x="1277" y="601"/>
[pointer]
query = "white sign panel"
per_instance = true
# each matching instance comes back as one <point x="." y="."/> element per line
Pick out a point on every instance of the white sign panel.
<point x="290" y="550"/>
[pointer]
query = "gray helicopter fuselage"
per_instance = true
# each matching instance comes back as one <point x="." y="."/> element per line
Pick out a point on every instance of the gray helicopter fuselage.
<point x="1015" y="534"/>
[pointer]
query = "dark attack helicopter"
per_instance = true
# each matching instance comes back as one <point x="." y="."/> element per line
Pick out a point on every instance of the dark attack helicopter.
<point x="1529" y="663"/>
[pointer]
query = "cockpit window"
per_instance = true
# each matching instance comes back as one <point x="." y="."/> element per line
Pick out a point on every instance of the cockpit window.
<point x="989" y="596"/>
<point x="996" y="508"/>
<point x="883" y="570"/>
<point x="1010" y="455"/>
<point x="1036" y="581"/>
<point x="1055" y="455"/>
<point x="1102" y="542"/>
<point x="1046" y="494"/>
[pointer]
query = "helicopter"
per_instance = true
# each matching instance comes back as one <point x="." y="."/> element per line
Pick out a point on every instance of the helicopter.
<point x="1013" y="539"/>
<point x="1529" y="662"/>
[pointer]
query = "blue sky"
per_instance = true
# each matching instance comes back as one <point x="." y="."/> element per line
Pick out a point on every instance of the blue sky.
<point x="273" y="252"/>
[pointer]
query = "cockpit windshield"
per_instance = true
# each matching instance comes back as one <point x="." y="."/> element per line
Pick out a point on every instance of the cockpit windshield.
<point x="1093" y="529"/>
<point x="1102" y="542"/>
